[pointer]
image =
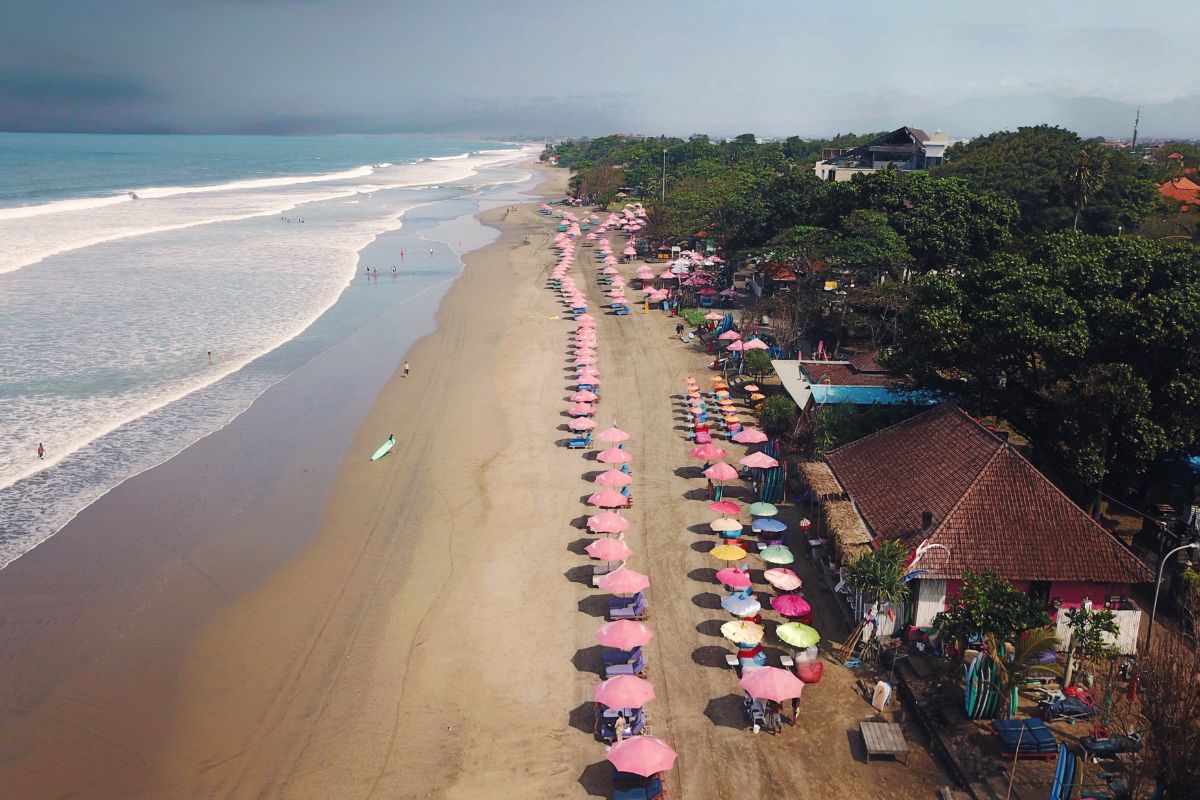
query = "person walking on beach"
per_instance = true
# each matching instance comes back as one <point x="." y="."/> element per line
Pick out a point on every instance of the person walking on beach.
<point x="431" y="251"/>
<point x="41" y="451"/>
<point x="406" y="369"/>
<point x="795" y="710"/>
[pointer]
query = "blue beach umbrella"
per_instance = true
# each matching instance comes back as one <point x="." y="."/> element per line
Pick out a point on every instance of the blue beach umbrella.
<point x="768" y="526"/>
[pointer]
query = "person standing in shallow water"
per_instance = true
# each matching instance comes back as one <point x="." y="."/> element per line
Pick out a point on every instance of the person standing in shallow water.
<point x="41" y="451"/>
<point x="406" y="369"/>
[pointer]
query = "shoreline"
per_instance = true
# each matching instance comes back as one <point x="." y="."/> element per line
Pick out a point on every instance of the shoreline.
<point x="178" y="575"/>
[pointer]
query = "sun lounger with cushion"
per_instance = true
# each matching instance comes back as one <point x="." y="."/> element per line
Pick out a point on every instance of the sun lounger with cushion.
<point x="580" y="442"/>
<point x="636" y="667"/>
<point x="640" y="611"/>
<point x="614" y="656"/>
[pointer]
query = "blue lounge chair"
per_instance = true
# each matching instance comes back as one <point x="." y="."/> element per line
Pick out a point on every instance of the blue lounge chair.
<point x="614" y="656"/>
<point x="1036" y="740"/>
<point x="622" y="602"/>
<point x="638" y="611"/>
<point x="578" y="443"/>
<point x="636" y="667"/>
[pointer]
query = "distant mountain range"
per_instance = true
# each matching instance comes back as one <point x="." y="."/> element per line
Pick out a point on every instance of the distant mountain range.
<point x="1087" y="116"/>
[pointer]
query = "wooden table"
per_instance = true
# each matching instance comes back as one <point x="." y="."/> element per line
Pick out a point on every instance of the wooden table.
<point x="884" y="738"/>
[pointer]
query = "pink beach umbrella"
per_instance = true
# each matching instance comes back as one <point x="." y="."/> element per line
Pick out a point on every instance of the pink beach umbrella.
<point x="585" y="318"/>
<point x="608" y="522"/>
<point x="585" y="396"/>
<point x="756" y="344"/>
<point x="609" y="550"/>
<point x="729" y="336"/>
<point x="614" y="455"/>
<point x="623" y="634"/>
<point x="581" y="424"/>
<point x="581" y="410"/>
<point x="758" y="461"/>
<point x="783" y="579"/>
<point x="713" y="316"/>
<point x="734" y="578"/>
<point x="613" y="435"/>
<point x="584" y="360"/>
<point x="749" y="436"/>
<point x="614" y="477"/>
<point x="623" y="581"/>
<point x="721" y="471"/>
<point x="610" y="270"/>
<point x="772" y="683"/>
<point x="707" y="452"/>
<point x="624" y="691"/>
<point x="629" y="251"/>
<point x="642" y="755"/>
<point x="724" y="507"/>
<point x="735" y="346"/>
<point x="791" y="605"/>
<point x="608" y="498"/>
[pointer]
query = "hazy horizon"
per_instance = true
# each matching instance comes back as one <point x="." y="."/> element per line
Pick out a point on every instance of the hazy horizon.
<point x="773" y="67"/>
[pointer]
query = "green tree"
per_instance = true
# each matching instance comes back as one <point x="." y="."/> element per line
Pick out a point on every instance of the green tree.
<point x="758" y="363"/>
<point x="778" y="414"/>
<point x="988" y="606"/>
<point x="1086" y="178"/>
<point x="1032" y="167"/>
<point x="880" y="573"/>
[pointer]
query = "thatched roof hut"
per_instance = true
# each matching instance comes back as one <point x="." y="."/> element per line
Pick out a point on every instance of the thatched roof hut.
<point x="850" y="535"/>
<point x="820" y="480"/>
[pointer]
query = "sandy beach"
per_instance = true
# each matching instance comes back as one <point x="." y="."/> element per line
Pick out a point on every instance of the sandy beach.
<point x="435" y="638"/>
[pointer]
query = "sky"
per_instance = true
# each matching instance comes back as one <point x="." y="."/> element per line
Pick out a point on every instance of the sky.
<point x="771" y="67"/>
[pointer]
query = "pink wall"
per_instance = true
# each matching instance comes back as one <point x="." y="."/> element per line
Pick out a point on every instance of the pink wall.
<point x="1071" y="594"/>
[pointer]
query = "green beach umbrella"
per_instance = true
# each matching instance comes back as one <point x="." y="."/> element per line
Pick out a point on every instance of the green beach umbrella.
<point x="777" y="554"/>
<point x="798" y="635"/>
<point x="761" y="509"/>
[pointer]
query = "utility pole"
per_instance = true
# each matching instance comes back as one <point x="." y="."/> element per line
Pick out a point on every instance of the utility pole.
<point x="1136" y="120"/>
<point x="664" y="177"/>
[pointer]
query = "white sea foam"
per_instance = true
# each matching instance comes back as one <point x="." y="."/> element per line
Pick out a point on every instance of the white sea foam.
<point x="116" y="325"/>
<point x="30" y="236"/>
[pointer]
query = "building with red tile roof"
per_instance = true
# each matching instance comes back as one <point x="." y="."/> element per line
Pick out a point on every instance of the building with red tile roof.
<point x="1181" y="190"/>
<point x="940" y="478"/>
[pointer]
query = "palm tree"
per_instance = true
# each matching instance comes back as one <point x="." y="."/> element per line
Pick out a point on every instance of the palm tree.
<point x="1087" y="178"/>
<point x="880" y="573"/>
<point x="1017" y="661"/>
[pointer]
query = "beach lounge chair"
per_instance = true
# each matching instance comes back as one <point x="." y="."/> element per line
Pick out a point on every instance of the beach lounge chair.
<point x="731" y="661"/>
<point x="636" y="667"/>
<point x="625" y="491"/>
<point x="578" y="443"/>
<point x="614" y="656"/>
<point x="624" y="602"/>
<point x="1071" y="709"/>
<point x="621" y="311"/>
<point x="639" y="611"/>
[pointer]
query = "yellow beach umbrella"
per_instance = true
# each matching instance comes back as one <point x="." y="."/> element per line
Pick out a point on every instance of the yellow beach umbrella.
<point x="743" y="631"/>
<point x="728" y="552"/>
<point x="758" y="396"/>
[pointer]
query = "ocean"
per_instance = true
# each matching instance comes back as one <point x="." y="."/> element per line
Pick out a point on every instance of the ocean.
<point x="151" y="287"/>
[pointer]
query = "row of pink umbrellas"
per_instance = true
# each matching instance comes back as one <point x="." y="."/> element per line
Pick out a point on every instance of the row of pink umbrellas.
<point x="641" y="755"/>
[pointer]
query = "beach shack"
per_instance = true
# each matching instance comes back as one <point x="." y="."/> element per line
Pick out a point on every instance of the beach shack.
<point x="942" y="480"/>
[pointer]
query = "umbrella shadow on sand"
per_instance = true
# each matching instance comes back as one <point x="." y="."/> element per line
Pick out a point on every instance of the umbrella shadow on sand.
<point x="699" y="493"/>
<point x="710" y="627"/>
<point x="578" y="546"/>
<point x="703" y="575"/>
<point x="589" y="659"/>
<point x="596" y="779"/>
<point x="701" y="528"/>
<point x="726" y="712"/>
<point x="581" y="574"/>
<point x="710" y="655"/>
<point x="583" y="718"/>
<point x="707" y="600"/>
<point x="594" y="605"/>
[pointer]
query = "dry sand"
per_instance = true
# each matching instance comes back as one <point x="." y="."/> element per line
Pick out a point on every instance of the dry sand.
<point x="436" y="639"/>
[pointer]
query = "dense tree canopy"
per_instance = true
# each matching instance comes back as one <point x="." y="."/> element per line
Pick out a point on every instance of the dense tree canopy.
<point x="1090" y="345"/>
<point x="1039" y="168"/>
